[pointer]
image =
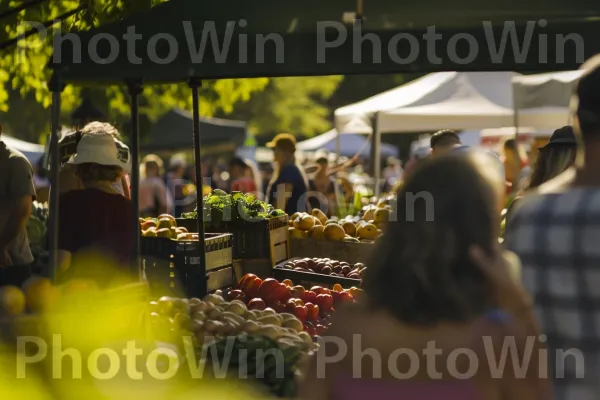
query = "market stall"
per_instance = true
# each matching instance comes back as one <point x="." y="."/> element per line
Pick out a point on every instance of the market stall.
<point x="264" y="311"/>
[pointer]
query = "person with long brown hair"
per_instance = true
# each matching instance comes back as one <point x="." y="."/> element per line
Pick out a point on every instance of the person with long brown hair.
<point x="437" y="283"/>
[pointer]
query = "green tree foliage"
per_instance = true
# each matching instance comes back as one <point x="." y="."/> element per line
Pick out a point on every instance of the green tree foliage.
<point x="22" y="67"/>
<point x="295" y="104"/>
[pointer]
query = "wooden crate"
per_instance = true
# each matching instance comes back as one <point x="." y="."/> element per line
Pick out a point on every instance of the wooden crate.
<point x="343" y="251"/>
<point x="261" y="267"/>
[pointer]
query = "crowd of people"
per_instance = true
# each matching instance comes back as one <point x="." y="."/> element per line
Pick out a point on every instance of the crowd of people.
<point x="439" y="274"/>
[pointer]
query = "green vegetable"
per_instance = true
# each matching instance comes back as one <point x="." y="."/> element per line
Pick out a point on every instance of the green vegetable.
<point x="236" y="208"/>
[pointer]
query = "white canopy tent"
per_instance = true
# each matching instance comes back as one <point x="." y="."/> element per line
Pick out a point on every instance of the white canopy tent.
<point x="547" y="95"/>
<point x="443" y="100"/>
<point x="552" y="89"/>
<point x="34" y="152"/>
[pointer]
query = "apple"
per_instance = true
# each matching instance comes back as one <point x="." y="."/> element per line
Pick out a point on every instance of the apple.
<point x="345" y="297"/>
<point x="236" y="294"/>
<point x="337" y="269"/>
<point x="353" y="275"/>
<point x="346" y="270"/>
<point x="256" y="304"/>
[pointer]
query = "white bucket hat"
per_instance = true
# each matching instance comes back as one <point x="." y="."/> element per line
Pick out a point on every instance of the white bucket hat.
<point x="103" y="149"/>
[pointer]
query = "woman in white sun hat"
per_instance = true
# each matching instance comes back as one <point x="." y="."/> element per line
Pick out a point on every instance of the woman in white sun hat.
<point x="96" y="217"/>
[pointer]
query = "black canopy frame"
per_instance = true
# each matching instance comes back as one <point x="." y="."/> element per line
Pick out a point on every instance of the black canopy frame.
<point x="297" y="24"/>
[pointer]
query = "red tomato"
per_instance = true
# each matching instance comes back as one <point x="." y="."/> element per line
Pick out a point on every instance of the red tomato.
<point x="312" y="312"/>
<point x="345" y="297"/>
<point x="256" y="304"/>
<point x="269" y="290"/>
<point x="310" y="297"/>
<point x="245" y="281"/>
<point x="252" y="288"/>
<point x="336" y="297"/>
<point x="325" y="302"/>
<point x="284" y="293"/>
<point x="320" y="290"/>
<point x="277" y="306"/>
<point x="300" y="313"/>
<point x="290" y="307"/>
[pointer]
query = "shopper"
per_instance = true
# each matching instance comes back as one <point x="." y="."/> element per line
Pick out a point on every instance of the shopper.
<point x="154" y="197"/>
<point x="288" y="187"/>
<point x="240" y="181"/>
<point x="97" y="217"/>
<point x="553" y="159"/>
<point x="68" y="178"/>
<point x="176" y="182"/>
<point x="17" y="193"/>
<point x="443" y="141"/>
<point x="437" y="283"/>
<point x="555" y="232"/>
<point x="322" y="188"/>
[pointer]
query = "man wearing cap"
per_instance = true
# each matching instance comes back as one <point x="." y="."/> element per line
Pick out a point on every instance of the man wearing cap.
<point x="556" y="233"/>
<point x="288" y="187"/>
<point x="16" y="197"/>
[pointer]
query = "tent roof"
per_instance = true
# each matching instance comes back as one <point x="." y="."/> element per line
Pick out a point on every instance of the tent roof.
<point x="350" y="144"/>
<point x="446" y="100"/>
<point x="443" y="95"/>
<point x="32" y="151"/>
<point x="297" y="24"/>
<point x="552" y="89"/>
<point x="174" y="131"/>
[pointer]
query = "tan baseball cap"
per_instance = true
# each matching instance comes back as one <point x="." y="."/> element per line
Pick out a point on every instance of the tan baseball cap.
<point x="283" y="141"/>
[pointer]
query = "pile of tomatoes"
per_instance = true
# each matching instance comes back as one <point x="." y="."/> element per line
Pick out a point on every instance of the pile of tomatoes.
<point x="312" y="307"/>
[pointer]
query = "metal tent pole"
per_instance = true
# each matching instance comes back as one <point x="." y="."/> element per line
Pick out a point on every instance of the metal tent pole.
<point x="56" y="87"/>
<point x="196" y="84"/>
<point x="135" y="90"/>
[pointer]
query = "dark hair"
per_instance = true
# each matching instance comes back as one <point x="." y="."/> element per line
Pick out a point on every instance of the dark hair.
<point x="445" y="137"/>
<point x="91" y="172"/>
<point x="422" y="272"/>
<point x="551" y="162"/>
<point x="588" y="97"/>
<point x="322" y="160"/>
<point x="238" y="162"/>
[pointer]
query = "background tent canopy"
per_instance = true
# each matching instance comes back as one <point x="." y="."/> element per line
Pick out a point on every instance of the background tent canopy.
<point x="33" y="152"/>
<point x="553" y="89"/>
<point x="174" y="131"/>
<point x="350" y="144"/>
<point x="445" y="100"/>
<point x="297" y="24"/>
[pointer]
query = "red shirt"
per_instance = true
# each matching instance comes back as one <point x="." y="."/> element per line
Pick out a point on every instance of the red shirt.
<point x="244" y="185"/>
<point x="93" y="219"/>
